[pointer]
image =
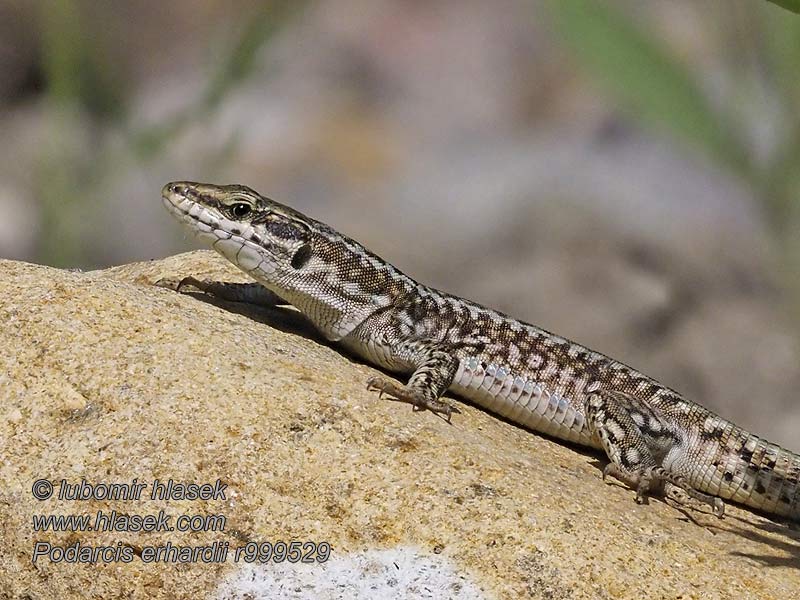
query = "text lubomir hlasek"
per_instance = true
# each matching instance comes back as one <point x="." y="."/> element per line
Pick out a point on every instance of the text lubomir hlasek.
<point x="159" y="490"/>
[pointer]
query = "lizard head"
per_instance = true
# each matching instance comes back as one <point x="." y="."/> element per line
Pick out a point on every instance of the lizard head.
<point x="331" y="278"/>
<point x="253" y="232"/>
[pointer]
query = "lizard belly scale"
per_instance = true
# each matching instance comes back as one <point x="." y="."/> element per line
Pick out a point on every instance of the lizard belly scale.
<point x="529" y="403"/>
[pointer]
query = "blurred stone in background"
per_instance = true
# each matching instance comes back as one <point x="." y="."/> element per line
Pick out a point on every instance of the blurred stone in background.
<point x="462" y="140"/>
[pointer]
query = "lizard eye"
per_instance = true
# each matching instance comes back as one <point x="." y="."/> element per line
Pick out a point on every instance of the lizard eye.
<point x="240" y="210"/>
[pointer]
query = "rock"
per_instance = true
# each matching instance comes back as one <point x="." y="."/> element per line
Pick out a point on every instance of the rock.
<point x="107" y="379"/>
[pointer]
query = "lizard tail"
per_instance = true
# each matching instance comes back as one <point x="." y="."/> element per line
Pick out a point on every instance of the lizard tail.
<point x="749" y="470"/>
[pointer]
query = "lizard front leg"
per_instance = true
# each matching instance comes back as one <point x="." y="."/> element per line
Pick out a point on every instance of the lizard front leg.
<point x="250" y="293"/>
<point x="637" y="440"/>
<point x="434" y="369"/>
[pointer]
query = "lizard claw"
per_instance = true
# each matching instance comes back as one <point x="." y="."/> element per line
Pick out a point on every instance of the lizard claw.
<point x="403" y="394"/>
<point x="168" y="283"/>
<point x="177" y="285"/>
<point x="375" y="384"/>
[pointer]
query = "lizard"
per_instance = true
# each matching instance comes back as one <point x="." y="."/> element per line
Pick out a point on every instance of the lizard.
<point x="654" y="438"/>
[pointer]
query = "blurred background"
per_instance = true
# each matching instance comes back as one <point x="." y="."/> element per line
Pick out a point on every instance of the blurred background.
<point x="624" y="173"/>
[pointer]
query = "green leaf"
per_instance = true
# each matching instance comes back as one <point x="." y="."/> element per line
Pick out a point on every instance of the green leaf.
<point x="781" y="44"/>
<point x="792" y="5"/>
<point x="644" y="77"/>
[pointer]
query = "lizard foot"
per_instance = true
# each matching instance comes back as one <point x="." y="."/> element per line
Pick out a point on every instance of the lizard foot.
<point x="177" y="285"/>
<point x="402" y="393"/>
<point x="653" y="475"/>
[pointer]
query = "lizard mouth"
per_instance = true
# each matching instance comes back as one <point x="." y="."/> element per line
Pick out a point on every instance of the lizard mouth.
<point x="189" y="211"/>
<point x="243" y="247"/>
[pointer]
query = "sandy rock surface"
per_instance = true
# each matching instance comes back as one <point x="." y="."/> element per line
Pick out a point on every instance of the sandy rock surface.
<point x="107" y="379"/>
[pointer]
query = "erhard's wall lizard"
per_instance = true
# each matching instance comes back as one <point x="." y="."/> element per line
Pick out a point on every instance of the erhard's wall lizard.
<point x="651" y="434"/>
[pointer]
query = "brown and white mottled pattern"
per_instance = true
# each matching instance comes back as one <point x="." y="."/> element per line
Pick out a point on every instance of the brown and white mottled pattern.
<point x="651" y="434"/>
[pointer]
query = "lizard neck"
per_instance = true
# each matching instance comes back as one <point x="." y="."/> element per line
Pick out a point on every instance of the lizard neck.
<point x="341" y="285"/>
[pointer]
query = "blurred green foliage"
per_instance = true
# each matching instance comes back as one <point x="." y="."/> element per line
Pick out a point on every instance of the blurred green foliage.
<point x="81" y="159"/>
<point x="793" y="5"/>
<point x="234" y="70"/>
<point x="644" y="77"/>
<point x="643" y="74"/>
<point x="649" y="81"/>
<point x="74" y="64"/>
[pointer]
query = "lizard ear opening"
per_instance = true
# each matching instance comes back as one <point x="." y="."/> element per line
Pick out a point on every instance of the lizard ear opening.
<point x="301" y="257"/>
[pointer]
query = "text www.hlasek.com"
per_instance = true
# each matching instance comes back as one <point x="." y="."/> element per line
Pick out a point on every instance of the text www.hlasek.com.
<point x="114" y="521"/>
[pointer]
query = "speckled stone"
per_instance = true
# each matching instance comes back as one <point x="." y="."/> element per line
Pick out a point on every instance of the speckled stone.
<point x="106" y="378"/>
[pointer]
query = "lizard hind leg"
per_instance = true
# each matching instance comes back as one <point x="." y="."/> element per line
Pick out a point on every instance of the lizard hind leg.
<point x="637" y="441"/>
<point x="630" y="457"/>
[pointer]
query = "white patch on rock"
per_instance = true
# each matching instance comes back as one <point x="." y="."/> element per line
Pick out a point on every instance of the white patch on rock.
<point x="397" y="573"/>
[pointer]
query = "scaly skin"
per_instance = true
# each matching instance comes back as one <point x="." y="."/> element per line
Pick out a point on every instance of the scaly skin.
<point x="651" y="434"/>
